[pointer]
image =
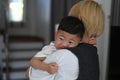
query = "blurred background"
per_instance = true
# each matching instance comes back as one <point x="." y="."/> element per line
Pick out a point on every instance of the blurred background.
<point x="27" y="25"/>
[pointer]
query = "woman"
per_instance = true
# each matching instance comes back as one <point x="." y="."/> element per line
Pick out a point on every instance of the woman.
<point x="92" y="15"/>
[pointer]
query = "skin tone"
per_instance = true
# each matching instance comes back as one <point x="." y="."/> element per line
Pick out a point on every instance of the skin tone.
<point x="91" y="39"/>
<point x="62" y="40"/>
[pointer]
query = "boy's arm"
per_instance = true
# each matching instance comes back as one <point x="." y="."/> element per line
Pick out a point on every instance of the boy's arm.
<point x="36" y="62"/>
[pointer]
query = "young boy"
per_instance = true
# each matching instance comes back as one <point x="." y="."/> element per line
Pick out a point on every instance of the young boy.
<point x="69" y="34"/>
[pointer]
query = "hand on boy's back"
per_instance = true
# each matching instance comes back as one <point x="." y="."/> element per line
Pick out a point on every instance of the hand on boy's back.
<point x="52" y="68"/>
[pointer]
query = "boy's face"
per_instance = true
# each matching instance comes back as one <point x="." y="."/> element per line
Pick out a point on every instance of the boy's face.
<point x="64" y="39"/>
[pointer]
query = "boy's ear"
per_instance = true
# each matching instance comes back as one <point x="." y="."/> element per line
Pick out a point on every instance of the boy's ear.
<point x="56" y="33"/>
<point x="56" y="28"/>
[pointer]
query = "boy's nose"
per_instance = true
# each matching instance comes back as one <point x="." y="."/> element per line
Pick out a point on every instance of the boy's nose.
<point x="65" y="45"/>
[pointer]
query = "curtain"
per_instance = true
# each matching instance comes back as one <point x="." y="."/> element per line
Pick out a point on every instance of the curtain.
<point x="115" y="13"/>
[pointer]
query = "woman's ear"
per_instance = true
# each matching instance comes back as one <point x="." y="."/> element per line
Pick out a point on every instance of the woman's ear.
<point x="92" y="40"/>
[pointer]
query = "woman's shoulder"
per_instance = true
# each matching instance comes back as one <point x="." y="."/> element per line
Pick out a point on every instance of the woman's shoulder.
<point x="84" y="49"/>
<point x="86" y="46"/>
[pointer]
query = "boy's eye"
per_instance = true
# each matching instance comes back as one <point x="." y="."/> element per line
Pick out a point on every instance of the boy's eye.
<point x="71" y="42"/>
<point x="61" y="38"/>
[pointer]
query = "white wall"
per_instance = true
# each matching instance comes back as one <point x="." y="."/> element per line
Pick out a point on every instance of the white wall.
<point x="103" y="40"/>
<point x="43" y="26"/>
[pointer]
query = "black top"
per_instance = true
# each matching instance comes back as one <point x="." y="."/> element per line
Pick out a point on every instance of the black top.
<point x="88" y="61"/>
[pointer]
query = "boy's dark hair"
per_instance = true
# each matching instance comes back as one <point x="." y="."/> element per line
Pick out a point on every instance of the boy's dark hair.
<point x="72" y="25"/>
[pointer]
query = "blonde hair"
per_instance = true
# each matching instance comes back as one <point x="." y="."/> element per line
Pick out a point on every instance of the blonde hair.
<point x="92" y="15"/>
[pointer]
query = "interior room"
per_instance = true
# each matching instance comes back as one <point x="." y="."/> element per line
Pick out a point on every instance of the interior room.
<point x="27" y="25"/>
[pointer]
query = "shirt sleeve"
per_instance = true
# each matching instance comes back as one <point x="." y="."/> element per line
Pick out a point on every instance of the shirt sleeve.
<point x="68" y="65"/>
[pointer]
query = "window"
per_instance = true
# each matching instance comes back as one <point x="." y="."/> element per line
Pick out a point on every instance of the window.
<point x="16" y="8"/>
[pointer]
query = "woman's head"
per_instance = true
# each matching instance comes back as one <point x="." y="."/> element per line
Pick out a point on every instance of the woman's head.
<point x="91" y="13"/>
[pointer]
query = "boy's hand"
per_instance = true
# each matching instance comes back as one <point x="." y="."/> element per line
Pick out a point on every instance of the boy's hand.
<point x="52" y="68"/>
